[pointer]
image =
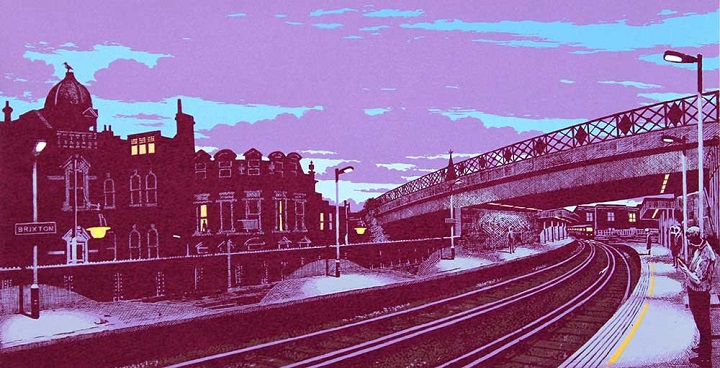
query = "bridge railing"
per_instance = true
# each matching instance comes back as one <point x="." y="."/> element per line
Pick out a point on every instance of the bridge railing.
<point x="663" y="115"/>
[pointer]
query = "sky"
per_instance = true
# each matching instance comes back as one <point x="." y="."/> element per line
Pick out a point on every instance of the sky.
<point x="387" y="87"/>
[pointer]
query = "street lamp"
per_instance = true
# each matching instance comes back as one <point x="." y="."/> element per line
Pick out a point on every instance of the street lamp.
<point x="452" y="218"/>
<point x="679" y="57"/>
<point x="683" y="161"/>
<point x="338" y="172"/>
<point x="35" y="288"/>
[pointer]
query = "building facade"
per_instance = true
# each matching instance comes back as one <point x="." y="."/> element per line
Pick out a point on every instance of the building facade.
<point x="139" y="186"/>
<point x="257" y="203"/>
<point x="157" y="196"/>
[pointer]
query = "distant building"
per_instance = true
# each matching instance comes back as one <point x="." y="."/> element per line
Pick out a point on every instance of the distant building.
<point x="611" y="219"/>
<point x="257" y="203"/>
<point x="140" y="185"/>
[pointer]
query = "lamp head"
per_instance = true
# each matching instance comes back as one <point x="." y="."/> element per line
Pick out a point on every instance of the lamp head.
<point x="39" y="146"/>
<point x="344" y="170"/>
<point x="98" y="232"/>
<point x="670" y="139"/>
<point x="679" y="57"/>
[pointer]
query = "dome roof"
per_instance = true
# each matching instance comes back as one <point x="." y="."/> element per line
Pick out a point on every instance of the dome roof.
<point x="68" y="93"/>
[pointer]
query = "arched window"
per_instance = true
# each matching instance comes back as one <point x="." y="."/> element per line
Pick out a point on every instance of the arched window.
<point x="153" y="242"/>
<point x="151" y="189"/>
<point x="134" y="243"/>
<point x="76" y="183"/>
<point x="109" y="192"/>
<point x="135" y="190"/>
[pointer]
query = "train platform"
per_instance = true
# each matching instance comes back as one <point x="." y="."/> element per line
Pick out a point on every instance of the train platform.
<point x="654" y="327"/>
<point x="80" y="316"/>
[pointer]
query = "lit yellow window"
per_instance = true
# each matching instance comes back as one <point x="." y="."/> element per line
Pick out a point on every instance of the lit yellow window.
<point x="143" y="149"/>
<point x="203" y="211"/>
<point x="633" y="217"/>
<point x="322" y="221"/>
<point x="133" y="150"/>
<point x="280" y="216"/>
<point x="151" y="147"/>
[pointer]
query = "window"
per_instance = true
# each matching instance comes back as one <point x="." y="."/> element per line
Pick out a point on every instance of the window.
<point x="202" y="216"/>
<point x="322" y="221"/>
<point x="142" y="145"/>
<point x="279" y="168"/>
<point x="227" y="211"/>
<point x="134" y="243"/>
<point x="153" y="242"/>
<point x="76" y="181"/>
<point x="108" y="192"/>
<point x="135" y="190"/>
<point x="611" y="216"/>
<point x="225" y="169"/>
<point x="253" y="213"/>
<point x="589" y="217"/>
<point x="281" y="214"/>
<point x="151" y="189"/>
<point x="254" y="167"/>
<point x="300" y="215"/>
<point x="632" y="217"/>
<point x="330" y="220"/>
<point x="200" y="170"/>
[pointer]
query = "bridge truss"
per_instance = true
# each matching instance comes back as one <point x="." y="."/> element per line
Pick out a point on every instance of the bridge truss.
<point x="664" y="115"/>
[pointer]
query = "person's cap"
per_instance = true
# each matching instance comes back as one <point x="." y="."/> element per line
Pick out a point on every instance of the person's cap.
<point x="693" y="231"/>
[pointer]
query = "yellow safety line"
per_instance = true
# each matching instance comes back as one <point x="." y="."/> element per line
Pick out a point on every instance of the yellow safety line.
<point x="629" y="337"/>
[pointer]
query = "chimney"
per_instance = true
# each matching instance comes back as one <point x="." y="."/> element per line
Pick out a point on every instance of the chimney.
<point x="8" y="111"/>
<point x="179" y="106"/>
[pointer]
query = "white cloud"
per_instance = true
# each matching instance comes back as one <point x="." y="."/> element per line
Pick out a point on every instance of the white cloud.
<point x="499" y="121"/>
<point x="87" y="62"/>
<point x="397" y="166"/>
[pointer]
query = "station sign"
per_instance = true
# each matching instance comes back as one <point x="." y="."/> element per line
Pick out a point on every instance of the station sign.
<point x="450" y="221"/>
<point x="35" y="228"/>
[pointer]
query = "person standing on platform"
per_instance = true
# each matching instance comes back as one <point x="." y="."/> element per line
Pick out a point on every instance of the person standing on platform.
<point x="675" y="243"/>
<point x="648" y="241"/>
<point x="511" y="240"/>
<point x="698" y="275"/>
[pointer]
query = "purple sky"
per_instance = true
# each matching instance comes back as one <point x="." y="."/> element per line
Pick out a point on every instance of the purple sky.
<point x="386" y="88"/>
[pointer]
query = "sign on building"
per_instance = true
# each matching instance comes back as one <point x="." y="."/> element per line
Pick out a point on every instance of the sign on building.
<point x="35" y="228"/>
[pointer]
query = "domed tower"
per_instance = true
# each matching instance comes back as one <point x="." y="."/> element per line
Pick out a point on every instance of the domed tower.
<point x="68" y="105"/>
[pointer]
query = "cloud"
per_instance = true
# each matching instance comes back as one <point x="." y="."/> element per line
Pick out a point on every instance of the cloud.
<point x="321" y="12"/>
<point x="359" y="192"/>
<point x="318" y="152"/>
<point x="397" y="166"/>
<point x="373" y="29"/>
<point x="662" y="96"/>
<point x="394" y="13"/>
<point x="519" y="124"/>
<point x="709" y="63"/>
<point x="207" y="113"/>
<point x="86" y="63"/>
<point x="323" y="164"/>
<point x="632" y="84"/>
<point x="141" y="116"/>
<point x="235" y="15"/>
<point x="567" y="81"/>
<point x="376" y="111"/>
<point x="592" y="37"/>
<point x="327" y="25"/>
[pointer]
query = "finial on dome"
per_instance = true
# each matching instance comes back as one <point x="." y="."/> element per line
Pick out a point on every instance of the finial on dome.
<point x="68" y="67"/>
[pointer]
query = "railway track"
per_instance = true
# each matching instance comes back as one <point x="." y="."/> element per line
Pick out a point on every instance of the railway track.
<point x="538" y="318"/>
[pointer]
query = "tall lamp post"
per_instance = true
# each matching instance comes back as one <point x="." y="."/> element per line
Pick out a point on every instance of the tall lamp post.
<point x="452" y="217"/>
<point x="679" y="57"/>
<point x="683" y="161"/>
<point x="35" y="288"/>
<point x="338" y="172"/>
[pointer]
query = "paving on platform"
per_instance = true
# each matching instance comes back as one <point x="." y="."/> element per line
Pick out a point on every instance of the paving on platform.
<point x="659" y="331"/>
<point x="79" y="315"/>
